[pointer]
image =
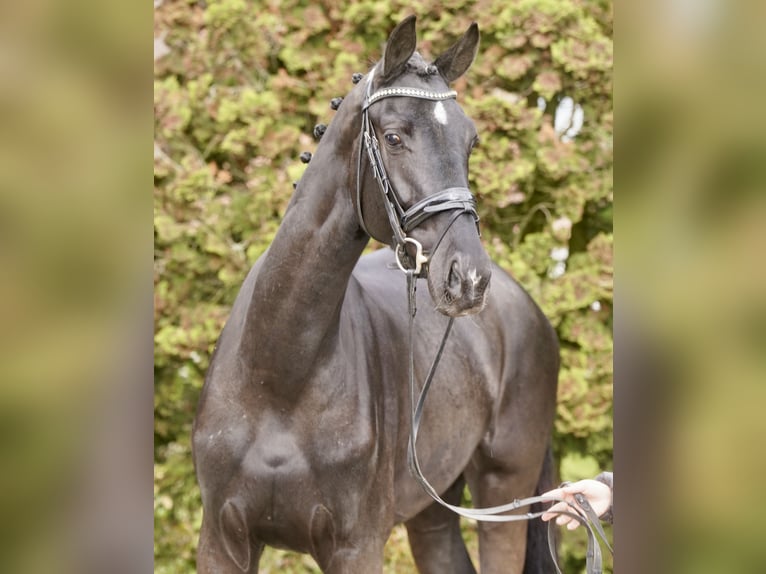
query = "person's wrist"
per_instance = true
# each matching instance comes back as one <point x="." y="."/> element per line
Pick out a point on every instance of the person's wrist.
<point x="607" y="478"/>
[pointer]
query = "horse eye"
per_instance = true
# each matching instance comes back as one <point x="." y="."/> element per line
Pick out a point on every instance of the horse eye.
<point x="393" y="139"/>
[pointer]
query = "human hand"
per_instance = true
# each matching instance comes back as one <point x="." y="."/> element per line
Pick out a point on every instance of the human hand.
<point x="598" y="494"/>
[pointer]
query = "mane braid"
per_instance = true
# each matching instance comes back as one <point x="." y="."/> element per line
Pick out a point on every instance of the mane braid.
<point x="418" y="66"/>
<point x="427" y="70"/>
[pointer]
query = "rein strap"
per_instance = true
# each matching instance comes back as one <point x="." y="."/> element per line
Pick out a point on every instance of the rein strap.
<point x="582" y="512"/>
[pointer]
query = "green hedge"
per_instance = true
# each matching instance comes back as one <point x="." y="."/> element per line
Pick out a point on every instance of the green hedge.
<point x="236" y="98"/>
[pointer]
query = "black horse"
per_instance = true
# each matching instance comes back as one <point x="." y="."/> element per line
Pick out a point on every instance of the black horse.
<point x="300" y="439"/>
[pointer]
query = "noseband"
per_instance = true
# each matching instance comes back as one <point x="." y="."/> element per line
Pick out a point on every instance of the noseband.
<point x="459" y="200"/>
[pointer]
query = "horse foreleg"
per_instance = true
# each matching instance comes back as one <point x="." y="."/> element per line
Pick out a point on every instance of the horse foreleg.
<point x="502" y="545"/>
<point x="361" y="551"/>
<point x="217" y="556"/>
<point x="356" y="558"/>
<point x="435" y="539"/>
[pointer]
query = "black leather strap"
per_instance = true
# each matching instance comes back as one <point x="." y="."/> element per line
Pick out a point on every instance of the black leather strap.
<point x="457" y="198"/>
<point x="584" y="514"/>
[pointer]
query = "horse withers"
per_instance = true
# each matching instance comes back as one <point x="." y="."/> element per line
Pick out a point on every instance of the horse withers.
<point x="301" y="434"/>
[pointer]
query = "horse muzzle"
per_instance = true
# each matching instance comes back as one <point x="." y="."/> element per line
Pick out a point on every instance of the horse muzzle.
<point x="462" y="287"/>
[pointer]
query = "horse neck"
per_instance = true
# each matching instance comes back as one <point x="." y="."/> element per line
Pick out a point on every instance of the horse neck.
<point x="294" y="310"/>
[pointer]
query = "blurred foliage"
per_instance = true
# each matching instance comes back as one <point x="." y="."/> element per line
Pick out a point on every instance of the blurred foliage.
<point x="238" y="89"/>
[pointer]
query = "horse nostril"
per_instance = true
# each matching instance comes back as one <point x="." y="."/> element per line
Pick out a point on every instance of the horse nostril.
<point x="455" y="282"/>
<point x="454" y="279"/>
<point x="463" y="288"/>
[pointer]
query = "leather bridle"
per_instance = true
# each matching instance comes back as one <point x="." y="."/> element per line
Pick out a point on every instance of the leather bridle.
<point x="459" y="200"/>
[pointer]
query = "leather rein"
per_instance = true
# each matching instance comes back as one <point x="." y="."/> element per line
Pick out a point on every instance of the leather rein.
<point x="582" y="512"/>
<point x="459" y="200"/>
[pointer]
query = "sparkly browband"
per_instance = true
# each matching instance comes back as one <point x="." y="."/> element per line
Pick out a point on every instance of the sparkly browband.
<point x="408" y="92"/>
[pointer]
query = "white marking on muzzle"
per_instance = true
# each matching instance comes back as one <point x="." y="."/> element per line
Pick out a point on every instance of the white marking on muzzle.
<point x="473" y="276"/>
<point x="440" y="113"/>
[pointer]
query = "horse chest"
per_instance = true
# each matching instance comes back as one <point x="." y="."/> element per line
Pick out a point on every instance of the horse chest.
<point x="304" y="459"/>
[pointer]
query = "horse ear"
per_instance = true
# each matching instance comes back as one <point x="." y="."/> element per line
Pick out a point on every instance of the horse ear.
<point x="455" y="62"/>
<point x="399" y="48"/>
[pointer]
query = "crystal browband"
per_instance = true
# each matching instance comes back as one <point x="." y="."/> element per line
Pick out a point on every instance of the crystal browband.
<point x="409" y="92"/>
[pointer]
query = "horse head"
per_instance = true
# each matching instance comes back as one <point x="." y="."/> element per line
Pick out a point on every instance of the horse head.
<point x="414" y="192"/>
